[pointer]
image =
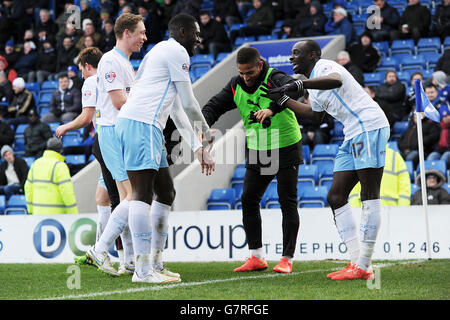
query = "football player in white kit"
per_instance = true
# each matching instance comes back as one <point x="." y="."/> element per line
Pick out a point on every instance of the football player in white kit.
<point x="162" y="87"/>
<point x="115" y="76"/>
<point x="361" y="156"/>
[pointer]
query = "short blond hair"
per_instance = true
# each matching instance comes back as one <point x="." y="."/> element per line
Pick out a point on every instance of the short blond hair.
<point x="126" y="21"/>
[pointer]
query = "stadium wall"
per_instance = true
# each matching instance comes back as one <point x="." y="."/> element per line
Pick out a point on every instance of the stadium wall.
<point x="207" y="236"/>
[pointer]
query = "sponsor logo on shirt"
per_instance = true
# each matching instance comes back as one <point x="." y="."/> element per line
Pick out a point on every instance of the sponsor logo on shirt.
<point x="127" y="89"/>
<point x="110" y="76"/>
<point x="185" y="67"/>
<point x="88" y="93"/>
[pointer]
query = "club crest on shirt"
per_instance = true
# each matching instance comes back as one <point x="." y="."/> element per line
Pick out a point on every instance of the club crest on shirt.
<point x="185" y="67"/>
<point x="110" y="76"/>
<point x="88" y="93"/>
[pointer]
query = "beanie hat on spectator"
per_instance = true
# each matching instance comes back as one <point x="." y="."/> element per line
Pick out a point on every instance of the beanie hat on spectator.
<point x="6" y="148"/>
<point x="19" y="82"/>
<point x="72" y="68"/>
<point x="9" y="43"/>
<point x="54" y="144"/>
<point x="341" y="11"/>
<point x="440" y="78"/>
<point x="86" y="22"/>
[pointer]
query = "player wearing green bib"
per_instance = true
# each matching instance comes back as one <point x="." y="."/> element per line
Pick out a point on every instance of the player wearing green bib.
<point x="273" y="148"/>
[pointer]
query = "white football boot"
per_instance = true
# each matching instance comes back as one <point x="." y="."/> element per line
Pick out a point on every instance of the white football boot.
<point x="101" y="261"/>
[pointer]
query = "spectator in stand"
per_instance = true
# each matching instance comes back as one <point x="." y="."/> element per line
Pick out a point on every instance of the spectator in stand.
<point x="443" y="64"/>
<point x="191" y="7"/>
<point x="108" y="37"/>
<point x="341" y="25"/>
<point x="260" y="22"/>
<point x="65" y="58"/>
<point x="414" y="22"/>
<point x="410" y="100"/>
<point x="88" y="30"/>
<point x="27" y="61"/>
<point x="6" y="133"/>
<point x="21" y="16"/>
<point x="13" y="173"/>
<point x="28" y="36"/>
<point x="165" y="13"/>
<point x="22" y="103"/>
<point x="435" y="193"/>
<point x="11" y="74"/>
<point x="313" y="24"/>
<point x="61" y="20"/>
<point x="393" y="92"/>
<point x="433" y="96"/>
<point x="386" y="107"/>
<point x="314" y="133"/>
<point x="46" y="23"/>
<point x="36" y="135"/>
<point x="105" y="16"/>
<point x="70" y="32"/>
<point x="441" y="20"/>
<point x="10" y="54"/>
<point x="343" y="58"/>
<point x="45" y="65"/>
<point x="226" y="12"/>
<point x="292" y="8"/>
<point x="408" y="142"/>
<point x="151" y="22"/>
<point x="74" y="79"/>
<point x="303" y="11"/>
<point x="363" y="54"/>
<point x="213" y="37"/>
<point x="65" y="104"/>
<point x="88" y="13"/>
<point x="287" y="29"/>
<point x="439" y="79"/>
<point x="384" y="24"/>
<point x="49" y="189"/>
<point x="6" y="91"/>
<point x="42" y="37"/>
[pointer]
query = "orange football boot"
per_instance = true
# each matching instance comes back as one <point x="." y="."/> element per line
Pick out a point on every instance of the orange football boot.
<point x="353" y="273"/>
<point x="253" y="264"/>
<point x="284" y="266"/>
<point x="332" y="274"/>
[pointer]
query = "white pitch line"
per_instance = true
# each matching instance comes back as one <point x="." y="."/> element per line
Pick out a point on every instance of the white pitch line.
<point x="207" y="282"/>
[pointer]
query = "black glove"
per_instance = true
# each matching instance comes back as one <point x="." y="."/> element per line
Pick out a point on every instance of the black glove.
<point x="265" y="124"/>
<point x="296" y="86"/>
<point x="274" y="94"/>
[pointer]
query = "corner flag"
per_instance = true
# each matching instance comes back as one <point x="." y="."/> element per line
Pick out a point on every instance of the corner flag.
<point x="424" y="105"/>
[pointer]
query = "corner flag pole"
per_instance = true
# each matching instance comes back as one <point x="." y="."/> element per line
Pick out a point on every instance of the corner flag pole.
<point x="423" y="182"/>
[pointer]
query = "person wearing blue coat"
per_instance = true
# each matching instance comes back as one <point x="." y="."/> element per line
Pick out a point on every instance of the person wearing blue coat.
<point x="341" y="25"/>
<point x="27" y="60"/>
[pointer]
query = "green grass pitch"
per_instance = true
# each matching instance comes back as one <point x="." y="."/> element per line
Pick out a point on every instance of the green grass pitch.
<point x="417" y="279"/>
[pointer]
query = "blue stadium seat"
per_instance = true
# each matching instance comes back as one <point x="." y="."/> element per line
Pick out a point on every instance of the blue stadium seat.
<point x="374" y="79"/>
<point x="19" y="145"/>
<point x="359" y="20"/>
<point x="403" y="46"/>
<point x="238" y="175"/>
<point x="241" y="40"/>
<point x="267" y="37"/>
<point x="413" y="62"/>
<point x="325" y="174"/>
<point x="207" y="5"/>
<point x="2" y="203"/>
<point x="431" y="58"/>
<point x="410" y="168"/>
<point x="399" y="128"/>
<point x="53" y="126"/>
<point x="33" y="87"/>
<point x="414" y="188"/>
<point x="429" y="44"/>
<point x="387" y="63"/>
<point x="202" y="60"/>
<point x="76" y="159"/>
<point x="43" y="110"/>
<point x="446" y="186"/>
<point x="49" y="85"/>
<point x="427" y="74"/>
<point x="221" y="199"/>
<point x="29" y="160"/>
<point x="45" y="98"/>
<point x="270" y="197"/>
<point x="306" y="152"/>
<point x="383" y="48"/>
<point x="324" y="153"/>
<point x="446" y="43"/>
<point x="17" y="204"/>
<point x="71" y="141"/>
<point x="278" y="24"/>
<point x="238" y="26"/>
<point x="200" y="71"/>
<point x="438" y="165"/>
<point x="91" y="158"/>
<point x="221" y="56"/>
<point x="313" y="197"/>
<point x="135" y="63"/>
<point x="20" y="130"/>
<point x="150" y="47"/>
<point x="337" y="134"/>
<point x="308" y="173"/>
<point x="405" y="76"/>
